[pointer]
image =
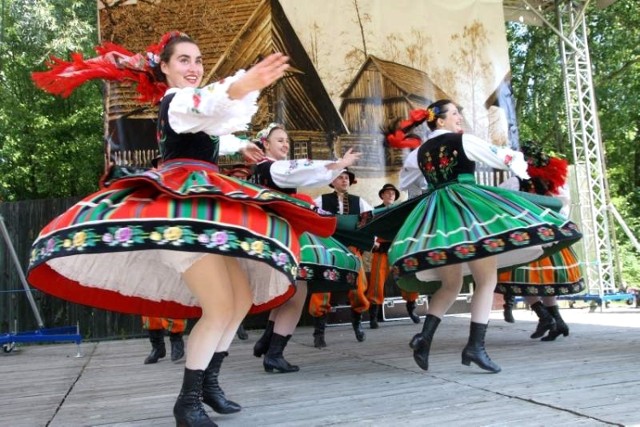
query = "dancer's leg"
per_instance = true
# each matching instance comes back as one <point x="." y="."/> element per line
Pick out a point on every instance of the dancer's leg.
<point x="485" y="277"/>
<point x="288" y="314"/>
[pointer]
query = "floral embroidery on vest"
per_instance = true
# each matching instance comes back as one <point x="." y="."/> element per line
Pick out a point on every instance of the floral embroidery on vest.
<point x="445" y="163"/>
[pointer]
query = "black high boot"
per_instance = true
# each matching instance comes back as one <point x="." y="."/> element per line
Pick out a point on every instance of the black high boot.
<point x="561" y="327"/>
<point x="373" y="316"/>
<point x="188" y="409"/>
<point x="158" y="349"/>
<point x="262" y="345"/>
<point x="241" y="333"/>
<point x="212" y="393"/>
<point x="411" y="309"/>
<point x="177" y="346"/>
<point x="421" y="343"/>
<point x="356" y="322"/>
<point x="274" y="358"/>
<point x="475" y="351"/>
<point x="319" y="324"/>
<point x="509" y="301"/>
<point x="546" y="322"/>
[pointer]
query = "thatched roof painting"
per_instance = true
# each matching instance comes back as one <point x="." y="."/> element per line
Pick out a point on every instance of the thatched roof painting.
<point x="415" y="86"/>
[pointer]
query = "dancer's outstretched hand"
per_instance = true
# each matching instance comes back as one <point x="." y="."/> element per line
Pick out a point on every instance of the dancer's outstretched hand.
<point x="260" y="75"/>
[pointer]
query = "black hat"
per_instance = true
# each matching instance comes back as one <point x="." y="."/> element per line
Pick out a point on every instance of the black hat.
<point x="352" y="177"/>
<point x="533" y="154"/>
<point x="389" y="187"/>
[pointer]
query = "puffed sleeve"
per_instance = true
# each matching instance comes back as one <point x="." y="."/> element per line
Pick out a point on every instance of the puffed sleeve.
<point x="512" y="183"/>
<point x="230" y="144"/>
<point x="302" y="173"/>
<point x="565" y="197"/>
<point x="410" y="174"/>
<point x="209" y="109"/>
<point x="496" y="157"/>
<point x="365" y="206"/>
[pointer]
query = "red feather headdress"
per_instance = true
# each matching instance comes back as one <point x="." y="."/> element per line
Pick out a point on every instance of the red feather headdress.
<point x="114" y="63"/>
<point x="399" y="136"/>
<point x="554" y="174"/>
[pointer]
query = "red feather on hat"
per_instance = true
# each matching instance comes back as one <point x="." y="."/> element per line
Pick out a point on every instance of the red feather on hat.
<point x="113" y="63"/>
<point x="554" y="173"/>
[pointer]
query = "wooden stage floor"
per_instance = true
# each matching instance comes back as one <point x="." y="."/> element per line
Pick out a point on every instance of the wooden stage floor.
<point x="591" y="378"/>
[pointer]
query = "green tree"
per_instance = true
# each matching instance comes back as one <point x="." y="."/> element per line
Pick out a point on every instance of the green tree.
<point x="49" y="146"/>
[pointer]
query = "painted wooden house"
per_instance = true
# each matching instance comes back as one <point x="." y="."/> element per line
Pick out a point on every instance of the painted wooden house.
<point x="380" y="92"/>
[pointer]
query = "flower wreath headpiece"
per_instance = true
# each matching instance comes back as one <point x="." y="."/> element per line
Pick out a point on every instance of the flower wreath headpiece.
<point x="114" y="63"/>
<point x="264" y="133"/>
<point x="153" y="52"/>
<point x="399" y="137"/>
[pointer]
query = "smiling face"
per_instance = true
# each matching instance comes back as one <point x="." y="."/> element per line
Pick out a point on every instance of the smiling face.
<point x="277" y="144"/>
<point x="452" y="120"/>
<point x="184" y="68"/>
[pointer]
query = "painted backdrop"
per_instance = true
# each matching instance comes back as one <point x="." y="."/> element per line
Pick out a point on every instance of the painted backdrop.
<point x="357" y="66"/>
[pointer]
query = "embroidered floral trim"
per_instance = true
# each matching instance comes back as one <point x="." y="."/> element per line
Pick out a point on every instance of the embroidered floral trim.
<point x="541" y="290"/>
<point x="178" y="236"/>
<point x="519" y="238"/>
<point x="465" y="251"/>
<point x="546" y="234"/>
<point x="331" y="274"/>
<point x="410" y="264"/>
<point x="436" y="257"/>
<point x="305" y="273"/>
<point x="493" y="245"/>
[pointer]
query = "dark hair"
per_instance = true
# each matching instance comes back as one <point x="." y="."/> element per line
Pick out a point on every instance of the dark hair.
<point x="166" y="52"/>
<point x="440" y="111"/>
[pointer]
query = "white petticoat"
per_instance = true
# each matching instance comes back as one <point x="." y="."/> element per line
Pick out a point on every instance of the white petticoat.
<point x="156" y="275"/>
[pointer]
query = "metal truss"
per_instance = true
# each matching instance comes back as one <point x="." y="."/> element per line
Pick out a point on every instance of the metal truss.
<point x="586" y="141"/>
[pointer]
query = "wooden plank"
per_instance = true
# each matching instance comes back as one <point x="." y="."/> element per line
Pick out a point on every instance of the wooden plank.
<point x="589" y="378"/>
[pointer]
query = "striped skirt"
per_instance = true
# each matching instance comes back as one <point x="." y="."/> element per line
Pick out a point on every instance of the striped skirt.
<point x="124" y="247"/>
<point x="558" y="274"/>
<point x="461" y="221"/>
<point x="327" y="265"/>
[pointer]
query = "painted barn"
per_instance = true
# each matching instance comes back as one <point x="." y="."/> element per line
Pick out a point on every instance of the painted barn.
<point x="379" y="93"/>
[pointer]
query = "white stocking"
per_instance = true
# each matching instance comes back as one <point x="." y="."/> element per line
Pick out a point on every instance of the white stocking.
<point x="443" y="298"/>
<point x="485" y="277"/>
<point x="289" y="313"/>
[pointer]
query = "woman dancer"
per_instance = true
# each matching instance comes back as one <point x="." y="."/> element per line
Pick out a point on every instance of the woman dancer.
<point x="541" y="281"/>
<point x="459" y="228"/>
<point x="178" y="240"/>
<point x="324" y="260"/>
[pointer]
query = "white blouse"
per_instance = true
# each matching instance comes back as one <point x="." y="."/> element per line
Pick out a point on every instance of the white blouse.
<point x="302" y="173"/>
<point x="477" y="150"/>
<point x="209" y="109"/>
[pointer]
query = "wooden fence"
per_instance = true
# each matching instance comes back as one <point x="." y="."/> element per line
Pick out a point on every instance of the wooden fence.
<point x="23" y="221"/>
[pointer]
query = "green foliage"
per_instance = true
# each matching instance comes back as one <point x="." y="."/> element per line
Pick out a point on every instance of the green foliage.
<point x="49" y="146"/>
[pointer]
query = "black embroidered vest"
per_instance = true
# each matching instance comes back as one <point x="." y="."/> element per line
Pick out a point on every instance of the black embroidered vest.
<point x="330" y="203"/>
<point x="442" y="159"/>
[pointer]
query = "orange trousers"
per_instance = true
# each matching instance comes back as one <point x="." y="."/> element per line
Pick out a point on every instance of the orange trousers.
<point x="379" y="273"/>
<point x="171" y="325"/>
<point x="319" y="303"/>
